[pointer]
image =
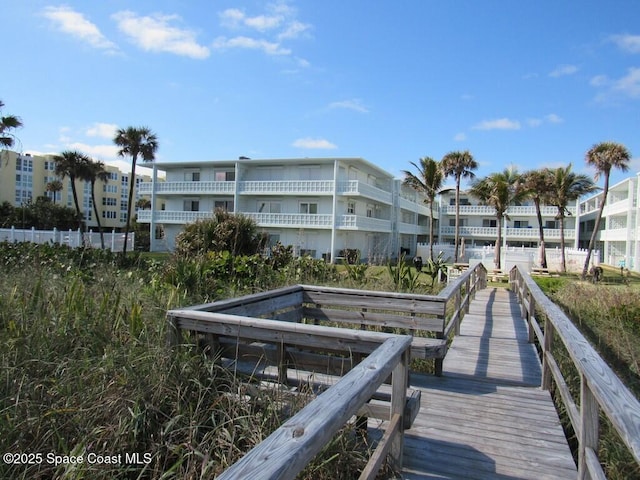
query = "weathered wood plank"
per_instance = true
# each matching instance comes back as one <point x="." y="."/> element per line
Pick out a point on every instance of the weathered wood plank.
<point x="288" y="450"/>
<point x="390" y="320"/>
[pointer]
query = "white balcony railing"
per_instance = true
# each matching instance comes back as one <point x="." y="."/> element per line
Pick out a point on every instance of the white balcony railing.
<point x="172" y="216"/>
<point x="358" y="222"/>
<point x="188" y="188"/>
<point x="284" y="187"/>
<point x="525" y="211"/>
<point x="290" y="220"/>
<point x="410" y="228"/>
<point x="355" y="187"/>
<point x="510" y="232"/>
<point x="617" y="234"/>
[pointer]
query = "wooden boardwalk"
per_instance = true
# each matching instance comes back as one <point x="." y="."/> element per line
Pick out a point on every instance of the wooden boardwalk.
<point x="487" y="417"/>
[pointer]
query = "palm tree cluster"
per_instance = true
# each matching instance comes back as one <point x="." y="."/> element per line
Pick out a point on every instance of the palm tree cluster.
<point x="8" y="123"/>
<point x="557" y="187"/>
<point x="75" y="165"/>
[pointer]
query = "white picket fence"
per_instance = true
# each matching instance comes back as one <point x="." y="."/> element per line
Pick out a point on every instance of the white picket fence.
<point x="526" y="257"/>
<point x="113" y="240"/>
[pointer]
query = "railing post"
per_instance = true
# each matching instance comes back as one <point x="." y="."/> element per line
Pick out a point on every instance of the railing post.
<point x="530" y="316"/>
<point x="467" y="285"/>
<point x="174" y="334"/>
<point x="457" y="304"/>
<point x="589" y="427"/>
<point x="546" y="352"/>
<point x="399" y="383"/>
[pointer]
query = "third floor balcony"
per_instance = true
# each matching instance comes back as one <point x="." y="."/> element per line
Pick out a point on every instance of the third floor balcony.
<point x="510" y="232"/>
<point x="519" y="210"/>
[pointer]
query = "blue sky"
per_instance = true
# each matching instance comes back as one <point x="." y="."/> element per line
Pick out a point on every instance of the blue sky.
<point x="529" y="84"/>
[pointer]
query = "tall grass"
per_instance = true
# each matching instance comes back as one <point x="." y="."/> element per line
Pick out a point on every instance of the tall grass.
<point x="84" y="369"/>
<point x="609" y="317"/>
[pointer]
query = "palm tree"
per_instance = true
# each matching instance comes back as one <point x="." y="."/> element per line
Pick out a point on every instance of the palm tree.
<point x="499" y="190"/>
<point x="427" y="181"/>
<point x="537" y="184"/>
<point x="459" y="165"/>
<point x="54" y="186"/>
<point x="72" y="164"/>
<point x="95" y="171"/>
<point x="134" y="142"/>
<point x="143" y="204"/>
<point x="604" y="156"/>
<point x="8" y="123"/>
<point x="567" y="187"/>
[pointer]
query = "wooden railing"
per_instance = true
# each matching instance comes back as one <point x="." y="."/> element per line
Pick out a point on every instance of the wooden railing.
<point x="600" y="389"/>
<point x="233" y="328"/>
<point x="290" y="448"/>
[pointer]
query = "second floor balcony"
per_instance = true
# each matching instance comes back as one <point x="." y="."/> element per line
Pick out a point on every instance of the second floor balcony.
<point x="187" y="188"/>
<point x="514" y="211"/>
<point x="509" y="232"/>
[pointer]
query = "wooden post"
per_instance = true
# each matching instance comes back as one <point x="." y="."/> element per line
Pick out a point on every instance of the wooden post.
<point x="589" y="427"/>
<point x="212" y="345"/>
<point x="531" y="316"/>
<point x="467" y="285"/>
<point x="546" y="350"/>
<point x="457" y="304"/>
<point x="174" y="334"/>
<point x="398" y="400"/>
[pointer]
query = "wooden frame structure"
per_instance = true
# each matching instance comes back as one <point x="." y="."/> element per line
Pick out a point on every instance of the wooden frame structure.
<point x="600" y="388"/>
<point x="302" y="328"/>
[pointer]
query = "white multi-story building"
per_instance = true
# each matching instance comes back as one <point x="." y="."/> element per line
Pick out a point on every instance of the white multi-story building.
<point x="478" y="224"/>
<point x="619" y="231"/>
<point x="320" y="206"/>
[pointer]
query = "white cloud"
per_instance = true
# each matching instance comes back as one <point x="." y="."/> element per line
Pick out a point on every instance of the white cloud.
<point x="75" y="24"/>
<point x="563" y="70"/>
<point x="553" y="118"/>
<point x="353" y="104"/>
<point x="460" y="137"/>
<point x="628" y="43"/>
<point x="627" y="86"/>
<point x="103" y="130"/>
<point x="98" y="152"/>
<point x="534" y="122"/>
<point x="270" y="48"/>
<point x="599" y="81"/>
<point x="314" y="143"/>
<point x="497" y="124"/>
<point x="155" y="34"/>
<point x="294" y="30"/>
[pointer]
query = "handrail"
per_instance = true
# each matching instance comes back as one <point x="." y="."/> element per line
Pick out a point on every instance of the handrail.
<point x="463" y="289"/>
<point x="600" y="387"/>
<point x="289" y="449"/>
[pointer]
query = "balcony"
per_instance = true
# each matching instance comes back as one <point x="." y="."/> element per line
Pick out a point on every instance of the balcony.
<point x="358" y="222"/>
<point x="617" y="234"/>
<point x="419" y="207"/>
<point x="286" y="187"/>
<point x="188" y="188"/>
<point x="172" y="217"/>
<point x="355" y="187"/>
<point x="510" y="232"/>
<point x="516" y="211"/>
<point x="290" y="220"/>
<point x="410" y="228"/>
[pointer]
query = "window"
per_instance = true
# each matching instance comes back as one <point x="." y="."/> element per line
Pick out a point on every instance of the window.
<point x="463" y="222"/>
<point x="192" y="175"/>
<point x="226" y="205"/>
<point x="309" y="208"/>
<point x="269" y="207"/>
<point x="109" y="214"/>
<point x="112" y="176"/>
<point x="489" y="223"/>
<point x="521" y="224"/>
<point x="369" y="210"/>
<point x="124" y="204"/>
<point x="224" y="176"/>
<point x="351" y="208"/>
<point x="191" y="206"/>
<point x="109" y="188"/>
<point x="274" y="238"/>
<point x="553" y="224"/>
<point x="49" y="165"/>
<point x="109" y="201"/>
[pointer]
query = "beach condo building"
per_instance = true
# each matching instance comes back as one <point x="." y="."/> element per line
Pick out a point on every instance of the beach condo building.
<point x="323" y="207"/>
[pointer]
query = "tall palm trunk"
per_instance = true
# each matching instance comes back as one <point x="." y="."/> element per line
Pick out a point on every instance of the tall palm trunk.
<point x="457" y="232"/>
<point x="431" y="230"/>
<point x="497" y="250"/>
<point x="95" y="212"/>
<point x="132" y="185"/>
<point x="563" y="261"/>
<point x="74" y="192"/>
<point x="596" y="227"/>
<point x="536" y="202"/>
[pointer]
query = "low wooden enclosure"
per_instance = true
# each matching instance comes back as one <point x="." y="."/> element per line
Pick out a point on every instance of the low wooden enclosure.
<point x="601" y="391"/>
<point x="347" y="342"/>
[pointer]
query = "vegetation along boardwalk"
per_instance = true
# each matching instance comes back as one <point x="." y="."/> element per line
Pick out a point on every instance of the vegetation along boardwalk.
<point x="487" y="417"/>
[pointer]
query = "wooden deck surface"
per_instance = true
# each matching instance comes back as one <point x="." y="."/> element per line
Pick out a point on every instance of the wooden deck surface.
<point x="487" y="418"/>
